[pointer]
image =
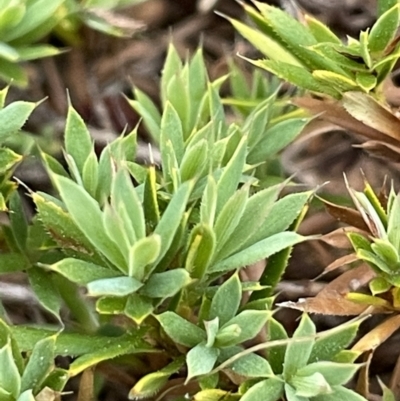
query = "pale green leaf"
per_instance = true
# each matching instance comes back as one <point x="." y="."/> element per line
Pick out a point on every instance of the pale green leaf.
<point x="200" y="360"/>
<point x="226" y="300"/>
<point x="180" y="330"/>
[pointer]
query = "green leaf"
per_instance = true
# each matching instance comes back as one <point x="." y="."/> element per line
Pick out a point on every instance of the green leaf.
<point x="166" y="284"/>
<point x="201" y="250"/>
<point x="260" y="250"/>
<point x="172" y="217"/>
<point x="229" y="217"/>
<point x="366" y="81"/>
<point x="3" y="95"/>
<point x="211" y="327"/>
<point x="333" y="79"/>
<point x="180" y="330"/>
<point x="384" y="30"/>
<point x="334" y="373"/>
<point x="379" y="285"/>
<point x="13" y="262"/>
<point x="36" y="14"/>
<point x="153" y="382"/>
<point x="45" y="290"/>
<point x="231" y="175"/>
<point x="40" y="363"/>
<point x="68" y="344"/>
<point x="10" y="380"/>
<point x="280" y="217"/>
<point x="194" y="161"/>
<point x="320" y="31"/>
<point x="87" y="215"/>
<point x="90" y="173"/>
<point x="393" y="229"/>
<point x="171" y="130"/>
<point x="143" y="253"/>
<point x="116" y="286"/>
<point x="252" y="365"/>
<point x="8" y="159"/>
<point x="310" y="385"/>
<point x="13" y="117"/>
<point x="113" y="349"/>
<point x="11" y="72"/>
<point x="138" y="308"/>
<point x="144" y="107"/>
<point x="200" y="360"/>
<point x="26" y="396"/>
<point x="18" y="221"/>
<point x="111" y="305"/>
<point x="277" y="138"/>
<point x="78" y="142"/>
<point x="266" y="45"/>
<point x="385" y="5"/>
<point x="209" y="202"/>
<point x="33" y="52"/>
<point x="250" y="323"/>
<point x="226" y="300"/>
<point x="325" y="348"/>
<point x="172" y="66"/>
<point x="299" y="352"/>
<point x="340" y="393"/>
<point x="254" y="216"/>
<point x="82" y="272"/>
<point x="276" y="355"/>
<point x="296" y="75"/>
<point x="266" y="390"/>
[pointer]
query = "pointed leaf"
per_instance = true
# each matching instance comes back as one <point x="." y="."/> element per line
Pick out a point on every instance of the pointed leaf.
<point x="226" y="300"/>
<point x="180" y="330"/>
<point x="200" y="360"/>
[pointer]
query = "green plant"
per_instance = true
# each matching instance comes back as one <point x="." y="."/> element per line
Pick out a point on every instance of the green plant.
<point x="161" y="245"/>
<point x="24" y="23"/>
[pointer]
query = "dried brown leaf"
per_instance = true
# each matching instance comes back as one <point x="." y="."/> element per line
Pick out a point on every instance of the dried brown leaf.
<point x="362" y="386"/>
<point x="331" y="300"/>
<point x="378" y="335"/>
<point x="339" y="239"/>
<point x="346" y="215"/>
<point x="381" y="150"/>
<point x="86" y="386"/>
<point x="344" y="260"/>
<point x="334" y="112"/>
<point x="366" y="109"/>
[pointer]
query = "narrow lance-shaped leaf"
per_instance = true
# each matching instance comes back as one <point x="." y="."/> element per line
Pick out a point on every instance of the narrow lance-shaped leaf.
<point x="384" y="30"/>
<point x="150" y="384"/>
<point x="78" y="142"/>
<point x="88" y="217"/>
<point x="81" y="272"/>
<point x="10" y="380"/>
<point x="267" y="46"/>
<point x="226" y="300"/>
<point x="13" y="117"/>
<point x="39" y="365"/>
<point x="229" y="217"/>
<point x="201" y="250"/>
<point x="298" y="353"/>
<point x="45" y="290"/>
<point x="230" y="178"/>
<point x="172" y="216"/>
<point x="143" y="253"/>
<point x="260" y="250"/>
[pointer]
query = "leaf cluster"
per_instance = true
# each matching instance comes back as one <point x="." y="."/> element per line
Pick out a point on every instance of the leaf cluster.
<point x="310" y="56"/>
